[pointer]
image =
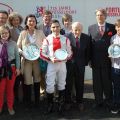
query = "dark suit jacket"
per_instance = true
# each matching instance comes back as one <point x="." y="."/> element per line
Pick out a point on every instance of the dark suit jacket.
<point x="100" y="44"/>
<point x="81" y="55"/>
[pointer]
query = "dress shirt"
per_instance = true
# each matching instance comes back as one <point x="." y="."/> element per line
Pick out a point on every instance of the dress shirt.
<point x="47" y="30"/>
<point x="31" y="38"/>
<point x="101" y="26"/>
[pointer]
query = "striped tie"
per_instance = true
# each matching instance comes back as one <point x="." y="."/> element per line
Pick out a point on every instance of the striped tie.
<point x="77" y="42"/>
<point x="101" y="30"/>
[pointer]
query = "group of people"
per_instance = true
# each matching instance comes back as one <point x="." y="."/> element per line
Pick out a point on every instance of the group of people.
<point x="48" y="72"/>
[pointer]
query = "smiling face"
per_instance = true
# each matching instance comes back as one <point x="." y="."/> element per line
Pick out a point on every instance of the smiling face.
<point x="117" y="26"/>
<point x="55" y="28"/>
<point x="47" y="19"/>
<point x="100" y="17"/>
<point x="67" y="23"/>
<point x="4" y="33"/>
<point x="31" y="23"/>
<point x="118" y="29"/>
<point x="16" y="21"/>
<point x="76" y="29"/>
<point x="3" y="19"/>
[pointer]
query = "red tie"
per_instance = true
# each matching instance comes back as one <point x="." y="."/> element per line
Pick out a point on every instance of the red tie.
<point x="101" y="30"/>
<point x="77" y="42"/>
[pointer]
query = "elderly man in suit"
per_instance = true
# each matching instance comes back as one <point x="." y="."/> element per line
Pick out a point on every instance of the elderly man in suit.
<point x="100" y="34"/>
<point x="80" y="43"/>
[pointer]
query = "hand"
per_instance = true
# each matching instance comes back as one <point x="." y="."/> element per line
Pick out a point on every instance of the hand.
<point x="17" y="72"/>
<point x="66" y="59"/>
<point x="90" y="65"/>
<point x="109" y="56"/>
<point x="54" y="60"/>
<point x="22" y="54"/>
<point x="20" y="51"/>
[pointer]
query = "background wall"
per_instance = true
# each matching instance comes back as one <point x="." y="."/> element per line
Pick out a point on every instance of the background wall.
<point x="81" y="10"/>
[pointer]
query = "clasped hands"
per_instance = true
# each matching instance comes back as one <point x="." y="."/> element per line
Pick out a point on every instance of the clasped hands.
<point x="55" y="60"/>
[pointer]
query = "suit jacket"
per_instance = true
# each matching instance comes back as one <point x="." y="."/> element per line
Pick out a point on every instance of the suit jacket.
<point x="42" y="27"/>
<point x="100" y="44"/>
<point x="81" y="55"/>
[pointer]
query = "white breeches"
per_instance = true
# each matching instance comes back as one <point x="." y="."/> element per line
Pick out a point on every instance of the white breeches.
<point x="56" y="73"/>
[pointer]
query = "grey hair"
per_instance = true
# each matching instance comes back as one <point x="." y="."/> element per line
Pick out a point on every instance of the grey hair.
<point x="77" y="24"/>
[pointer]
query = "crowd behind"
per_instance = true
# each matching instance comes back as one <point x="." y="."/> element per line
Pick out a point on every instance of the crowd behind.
<point x="51" y="77"/>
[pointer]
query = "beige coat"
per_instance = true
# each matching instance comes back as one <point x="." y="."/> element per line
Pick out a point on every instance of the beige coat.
<point x="23" y="38"/>
<point x="23" y="41"/>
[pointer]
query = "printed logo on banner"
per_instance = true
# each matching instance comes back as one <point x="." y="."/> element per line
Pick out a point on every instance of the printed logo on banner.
<point x="6" y="7"/>
<point x="57" y="11"/>
<point x="39" y="11"/>
<point x="113" y="11"/>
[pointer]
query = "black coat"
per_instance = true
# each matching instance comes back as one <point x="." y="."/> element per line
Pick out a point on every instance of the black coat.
<point x="100" y="44"/>
<point x="81" y="55"/>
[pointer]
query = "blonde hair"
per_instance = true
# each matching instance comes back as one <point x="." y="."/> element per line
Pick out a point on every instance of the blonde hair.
<point x="12" y="16"/>
<point x="117" y="23"/>
<point x="66" y="17"/>
<point x="2" y="28"/>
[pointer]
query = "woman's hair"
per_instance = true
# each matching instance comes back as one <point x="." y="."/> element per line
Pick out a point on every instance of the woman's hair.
<point x="66" y="17"/>
<point x="2" y="28"/>
<point x="117" y="23"/>
<point x="26" y="19"/>
<point x="12" y="16"/>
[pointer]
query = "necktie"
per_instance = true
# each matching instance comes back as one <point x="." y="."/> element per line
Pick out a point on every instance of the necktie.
<point x="101" y="30"/>
<point x="77" y="42"/>
<point x="47" y="30"/>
